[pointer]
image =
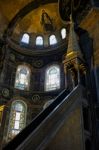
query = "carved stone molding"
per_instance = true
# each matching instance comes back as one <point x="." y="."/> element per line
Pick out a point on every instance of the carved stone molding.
<point x="36" y="98"/>
<point x="5" y="92"/>
<point x="38" y="63"/>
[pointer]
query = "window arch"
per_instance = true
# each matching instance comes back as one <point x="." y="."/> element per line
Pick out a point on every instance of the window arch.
<point x="17" y="120"/>
<point x="63" y="33"/>
<point x="52" y="40"/>
<point x="52" y="78"/>
<point x="39" y="40"/>
<point x="25" y="38"/>
<point x="22" y="79"/>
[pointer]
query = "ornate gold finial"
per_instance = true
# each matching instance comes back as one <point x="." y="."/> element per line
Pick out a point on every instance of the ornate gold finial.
<point x="73" y="46"/>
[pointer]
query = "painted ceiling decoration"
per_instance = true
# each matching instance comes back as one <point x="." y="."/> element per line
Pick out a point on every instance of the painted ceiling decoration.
<point x="33" y="22"/>
<point x="47" y="22"/>
<point x="21" y="11"/>
<point x="25" y="15"/>
<point x="35" y="18"/>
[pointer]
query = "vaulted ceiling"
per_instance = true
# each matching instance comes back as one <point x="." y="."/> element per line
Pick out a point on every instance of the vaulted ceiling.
<point x="25" y="15"/>
<point x="8" y="9"/>
<point x="32" y="21"/>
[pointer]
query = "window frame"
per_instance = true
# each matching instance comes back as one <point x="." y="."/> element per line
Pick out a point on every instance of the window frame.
<point x="42" y="40"/>
<point x="61" y="33"/>
<point x="52" y="40"/>
<point x="12" y="130"/>
<point x="22" y="41"/>
<point x="48" y="68"/>
<point x="18" y="74"/>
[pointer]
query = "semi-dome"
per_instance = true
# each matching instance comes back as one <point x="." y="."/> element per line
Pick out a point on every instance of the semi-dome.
<point x="33" y="26"/>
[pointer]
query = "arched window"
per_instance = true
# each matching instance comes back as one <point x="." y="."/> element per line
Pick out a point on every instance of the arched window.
<point x="63" y="33"/>
<point x="25" y="38"/>
<point x="22" y="80"/>
<point x="52" y="78"/>
<point x="39" y="40"/>
<point x="17" y="120"/>
<point x="52" y="40"/>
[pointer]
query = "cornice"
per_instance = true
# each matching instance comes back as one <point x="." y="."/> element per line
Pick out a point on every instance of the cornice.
<point x="59" y="47"/>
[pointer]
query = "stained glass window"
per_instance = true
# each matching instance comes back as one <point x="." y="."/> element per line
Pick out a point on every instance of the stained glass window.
<point x="22" y="77"/>
<point x="63" y="33"/>
<point x="52" y="80"/>
<point x="17" y="119"/>
<point x="52" y="40"/>
<point x="25" y="38"/>
<point x="39" y="40"/>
